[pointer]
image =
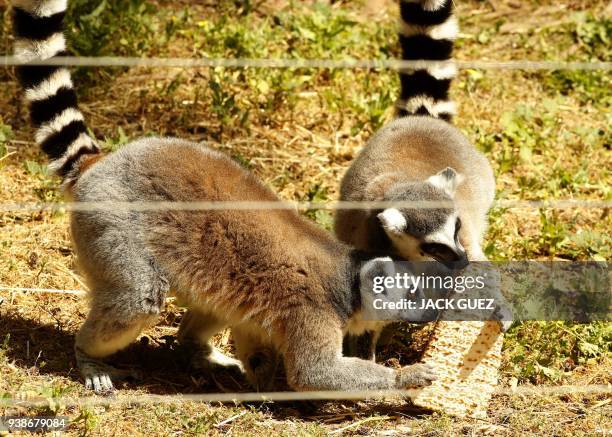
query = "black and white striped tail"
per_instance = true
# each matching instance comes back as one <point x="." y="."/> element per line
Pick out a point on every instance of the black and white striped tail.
<point x="61" y="130"/>
<point x="427" y="31"/>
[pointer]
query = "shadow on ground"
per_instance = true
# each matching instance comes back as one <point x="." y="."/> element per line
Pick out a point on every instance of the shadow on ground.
<point x="44" y="349"/>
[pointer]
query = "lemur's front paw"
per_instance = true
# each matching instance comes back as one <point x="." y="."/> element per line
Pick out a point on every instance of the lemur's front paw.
<point x="503" y="310"/>
<point x="416" y="375"/>
<point x="492" y="289"/>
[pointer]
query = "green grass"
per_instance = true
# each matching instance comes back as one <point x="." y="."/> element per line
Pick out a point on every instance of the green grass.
<point x="6" y="134"/>
<point x="542" y="352"/>
<point x="591" y="36"/>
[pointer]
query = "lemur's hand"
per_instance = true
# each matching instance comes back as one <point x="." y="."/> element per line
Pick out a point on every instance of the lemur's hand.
<point x="415" y="375"/>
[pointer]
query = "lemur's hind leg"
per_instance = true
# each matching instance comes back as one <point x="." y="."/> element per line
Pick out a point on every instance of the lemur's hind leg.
<point x="261" y="361"/>
<point x="105" y="332"/>
<point x="196" y="330"/>
<point x="120" y="310"/>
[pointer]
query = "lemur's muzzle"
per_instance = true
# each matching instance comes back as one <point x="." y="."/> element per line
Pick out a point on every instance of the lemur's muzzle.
<point x="457" y="262"/>
<point x="451" y="258"/>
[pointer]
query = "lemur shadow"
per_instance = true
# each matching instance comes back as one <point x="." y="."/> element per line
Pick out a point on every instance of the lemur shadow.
<point x="45" y="349"/>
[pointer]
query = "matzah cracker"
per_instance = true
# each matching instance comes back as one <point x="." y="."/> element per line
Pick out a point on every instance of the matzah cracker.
<point x="466" y="357"/>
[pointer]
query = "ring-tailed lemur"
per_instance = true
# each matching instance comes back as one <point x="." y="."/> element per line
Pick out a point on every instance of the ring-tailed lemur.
<point x="277" y="279"/>
<point x="420" y="157"/>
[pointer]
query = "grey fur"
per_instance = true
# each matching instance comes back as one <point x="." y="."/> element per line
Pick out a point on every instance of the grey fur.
<point x="420" y="222"/>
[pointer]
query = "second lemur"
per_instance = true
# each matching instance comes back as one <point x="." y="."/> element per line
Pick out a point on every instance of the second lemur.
<point x="421" y="157"/>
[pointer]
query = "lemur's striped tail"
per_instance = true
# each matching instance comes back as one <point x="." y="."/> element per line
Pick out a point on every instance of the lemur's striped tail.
<point x="427" y="32"/>
<point x="61" y="130"/>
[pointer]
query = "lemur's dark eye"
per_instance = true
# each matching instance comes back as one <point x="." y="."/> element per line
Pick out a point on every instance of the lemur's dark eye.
<point x="440" y="252"/>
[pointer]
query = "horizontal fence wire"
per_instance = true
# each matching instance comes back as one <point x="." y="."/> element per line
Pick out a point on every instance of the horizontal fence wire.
<point x="10" y="289"/>
<point x="286" y="396"/>
<point x="370" y="64"/>
<point x="145" y="206"/>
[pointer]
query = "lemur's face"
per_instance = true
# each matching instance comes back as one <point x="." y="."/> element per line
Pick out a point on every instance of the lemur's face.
<point x="426" y="234"/>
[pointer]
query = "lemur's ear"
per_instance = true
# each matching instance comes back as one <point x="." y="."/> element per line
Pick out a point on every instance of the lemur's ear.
<point x="392" y="220"/>
<point x="447" y="180"/>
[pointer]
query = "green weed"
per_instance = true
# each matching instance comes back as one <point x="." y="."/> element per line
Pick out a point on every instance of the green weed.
<point x="6" y="134"/>
<point x="87" y="420"/>
<point x="546" y="351"/>
<point x="113" y="28"/>
<point x="587" y="38"/>
<point x="110" y="144"/>
<point x="47" y="189"/>
<point x="323" y="217"/>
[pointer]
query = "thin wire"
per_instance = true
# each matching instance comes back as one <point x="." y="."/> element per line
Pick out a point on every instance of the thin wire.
<point x="126" y="399"/>
<point x="41" y="290"/>
<point x="142" y="206"/>
<point x="379" y="64"/>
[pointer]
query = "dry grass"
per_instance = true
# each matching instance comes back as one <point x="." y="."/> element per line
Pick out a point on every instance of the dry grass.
<point x="300" y="133"/>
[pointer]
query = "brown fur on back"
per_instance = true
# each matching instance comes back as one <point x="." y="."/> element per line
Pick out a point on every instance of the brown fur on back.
<point x="258" y="264"/>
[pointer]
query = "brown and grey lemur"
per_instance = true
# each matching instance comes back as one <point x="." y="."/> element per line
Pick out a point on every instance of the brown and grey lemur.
<point x="420" y="157"/>
<point x="275" y="278"/>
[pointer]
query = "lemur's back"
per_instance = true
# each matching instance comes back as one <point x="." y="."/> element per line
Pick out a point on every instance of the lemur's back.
<point x="414" y="148"/>
<point x="178" y="160"/>
<point x="186" y="244"/>
<point x="417" y="147"/>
